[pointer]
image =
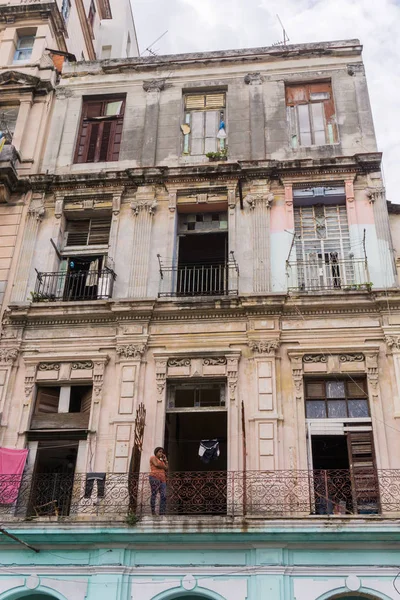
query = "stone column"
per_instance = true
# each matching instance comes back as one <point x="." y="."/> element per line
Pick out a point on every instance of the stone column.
<point x="257" y="116"/>
<point x="153" y="89"/>
<point x="34" y="216"/>
<point x="20" y="127"/>
<point x="375" y="402"/>
<point x="260" y="205"/>
<point x="377" y="197"/>
<point x="143" y="207"/>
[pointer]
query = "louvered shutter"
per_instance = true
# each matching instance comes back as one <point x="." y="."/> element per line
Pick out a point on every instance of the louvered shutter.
<point x="47" y="400"/>
<point x="211" y="130"/>
<point x="364" y="479"/>
<point x="78" y="232"/>
<point x="86" y="403"/>
<point x="99" y="231"/>
<point x="197" y="133"/>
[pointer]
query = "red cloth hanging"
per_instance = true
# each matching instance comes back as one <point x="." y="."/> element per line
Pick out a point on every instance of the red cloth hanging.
<point x="12" y="464"/>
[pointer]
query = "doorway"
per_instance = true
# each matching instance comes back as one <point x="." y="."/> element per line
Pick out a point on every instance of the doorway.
<point x="196" y="444"/>
<point x="53" y="478"/>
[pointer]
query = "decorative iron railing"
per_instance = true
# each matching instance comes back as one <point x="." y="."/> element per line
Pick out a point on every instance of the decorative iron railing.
<point x="74" y="286"/>
<point x="328" y="273"/>
<point x="208" y="279"/>
<point x="264" y="494"/>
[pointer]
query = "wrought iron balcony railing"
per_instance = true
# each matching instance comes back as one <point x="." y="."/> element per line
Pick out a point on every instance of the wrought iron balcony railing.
<point x="207" y="279"/>
<point x="74" y="286"/>
<point x="263" y="494"/>
<point x="328" y="273"/>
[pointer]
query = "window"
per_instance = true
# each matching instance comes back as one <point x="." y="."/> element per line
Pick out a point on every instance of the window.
<point x="8" y="120"/>
<point x="92" y="13"/>
<point x="311" y="114"/>
<point x="65" y="9"/>
<point x="65" y="399"/>
<point x="100" y="134"/>
<point x="322" y="240"/>
<point x="24" y="48"/>
<point x="106" y="52"/>
<point x="336" y="399"/>
<point x="87" y="232"/>
<point x="204" y="127"/>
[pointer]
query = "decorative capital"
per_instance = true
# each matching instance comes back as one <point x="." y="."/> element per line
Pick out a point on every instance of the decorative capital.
<point x="393" y="342"/>
<point x="37" y="212"/>
<point x="253" y="79"/>
<point x="260" y="199"/>
<point x="139" y="205"/>
<point x="131" y="350"/>
<point x="374" y="194"/>
<point x="161" y="376"/>
<point x="297" y="374"/>
<point x="232" y="375"/>
<point x="155" y="85"/>
<point x="8" y="355"/>
<point x="59" y="207"/>
<point x="98" y="377"/>
<point x="264" y="346"/>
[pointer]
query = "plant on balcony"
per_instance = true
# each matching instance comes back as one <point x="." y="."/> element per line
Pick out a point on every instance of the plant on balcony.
<point x="217" y="156"/>
<point x="359" y="287"/>
<point x="40" y="297"/>
<point x="131" y="519"/>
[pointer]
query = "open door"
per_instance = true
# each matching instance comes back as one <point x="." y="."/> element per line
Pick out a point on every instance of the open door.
<point x="364" y="478"/>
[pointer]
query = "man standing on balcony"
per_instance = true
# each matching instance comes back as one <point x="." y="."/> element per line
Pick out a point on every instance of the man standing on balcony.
<point x="158" y="479"/>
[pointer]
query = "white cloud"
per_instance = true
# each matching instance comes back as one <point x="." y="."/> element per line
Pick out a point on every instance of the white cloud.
<point x="196" y="25"/>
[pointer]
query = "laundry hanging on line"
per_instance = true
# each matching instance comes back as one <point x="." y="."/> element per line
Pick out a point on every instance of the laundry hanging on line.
<point x="12" y="465"/>
<point x="209" y="450"/>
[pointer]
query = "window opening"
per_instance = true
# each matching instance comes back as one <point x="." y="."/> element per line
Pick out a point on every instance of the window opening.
<point x="337" y="399"/>
<point x="77" y="399"/>
<point x="100" y="134"/>
<point x="53" y="478"/>
<point x="311" y="114"/>
<point x="65" y="10"/>
<point x="322" y="244"/>
<point x="87" y="232"/>
<point x="204" y="125"/>
<point x="24" y="48"/>
<point x="8" y="121"/>
<point x="84" y="278"/>
<point x="203" y="254"/>
<point x="92" y="13"/>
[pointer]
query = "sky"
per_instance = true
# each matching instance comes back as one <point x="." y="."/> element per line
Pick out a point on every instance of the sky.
<point x="201" y="25"/>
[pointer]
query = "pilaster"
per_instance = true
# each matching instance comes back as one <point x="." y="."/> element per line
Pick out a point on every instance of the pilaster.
<point x="377" y="197"/>
<point x="153" y="91"/>
<point x="31" y="227"/>
<point x="260" y="200"/>
<point x="257" y="116"/>
<point x="143" y="208"/>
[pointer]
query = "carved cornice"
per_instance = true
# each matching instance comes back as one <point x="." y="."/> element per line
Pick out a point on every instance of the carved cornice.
<point x="8" y="355"/>
<point x="215" y="361"/>
<point x="179" y="362"/>
<point x="315" y="358"/>
<point x="354" y="357"/>
<point x="77" y="366"/>
<point x="264" y="346"/>
<point x="131" y="350"/>
<point x="55" y="366"/>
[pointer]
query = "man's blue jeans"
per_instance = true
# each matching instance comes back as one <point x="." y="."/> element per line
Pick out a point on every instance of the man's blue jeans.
<point x="160" y="487"/>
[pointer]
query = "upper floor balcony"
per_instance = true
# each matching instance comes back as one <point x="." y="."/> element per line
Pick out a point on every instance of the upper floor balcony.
<point x="74" y="286"/>
<point x="8" y="172"/>
<point x="328" y="272"/>
<point x="262" y="494"/>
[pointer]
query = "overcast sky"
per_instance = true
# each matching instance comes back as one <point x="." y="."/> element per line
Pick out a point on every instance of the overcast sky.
<point x="195" y="25"/>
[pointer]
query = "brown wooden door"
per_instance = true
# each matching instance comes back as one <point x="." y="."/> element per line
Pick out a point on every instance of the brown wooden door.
<point x="363" y="473"/>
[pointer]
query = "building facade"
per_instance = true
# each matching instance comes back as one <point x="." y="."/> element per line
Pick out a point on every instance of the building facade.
<point x="207" y="246"/>
<point x="35" y="39"/>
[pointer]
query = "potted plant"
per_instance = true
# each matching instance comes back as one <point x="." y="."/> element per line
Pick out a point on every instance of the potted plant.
<point x="218" y="156"/>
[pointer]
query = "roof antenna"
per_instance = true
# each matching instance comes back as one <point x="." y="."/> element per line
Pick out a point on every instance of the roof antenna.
<point x="285" y="35"/>
<point x="149" y="50"/>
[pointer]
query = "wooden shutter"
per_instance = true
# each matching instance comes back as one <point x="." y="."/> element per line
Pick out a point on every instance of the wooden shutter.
<point x="78" y="232"/>
<point x="47" y="400"/>
<point x="364" y="479"/>
<point x="100" y="135"/>
<point x="86" y="403"/>
<point x="99" y="231"/>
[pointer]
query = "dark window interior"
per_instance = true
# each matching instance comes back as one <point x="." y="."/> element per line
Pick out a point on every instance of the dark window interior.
<point x="80" y="399"/>
<point x="204" y="249"/>
<point x="330" y="452"/>
<point x="48" y="398"/>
